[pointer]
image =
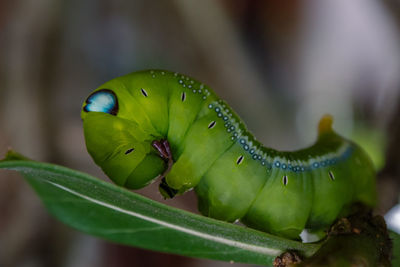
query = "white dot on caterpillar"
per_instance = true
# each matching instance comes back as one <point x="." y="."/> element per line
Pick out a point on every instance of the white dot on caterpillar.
<point x="183" y="96"/>
<point x="180" y="81"/>
<point x="204" y="97"/>
<point x="285" y="180"/>
<point x="162" y="73"/>
<point x="331" y="175"/>
<point x="211" y="125"/>
<point x="189" y="86"/>
<point x="153" y="76"/>
<point x="239" y="159"/>
<point x="175" y="74"/>
<point x="143" y="92"/>
<point x="152" y="71"/>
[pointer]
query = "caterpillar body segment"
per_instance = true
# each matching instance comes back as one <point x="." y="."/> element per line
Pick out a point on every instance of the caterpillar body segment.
<point x="235" y="177"/>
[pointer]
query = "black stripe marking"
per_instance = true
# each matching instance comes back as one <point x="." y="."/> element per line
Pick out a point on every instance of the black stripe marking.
<point x="129" y="151"/>
<point x="211" y="125"/>
<point x="331" y="176"/>
<point x="143" y="92"/>
<point x="239" y="160"/>
<point x="285" y="180"/>
<point x="183" y="97"/>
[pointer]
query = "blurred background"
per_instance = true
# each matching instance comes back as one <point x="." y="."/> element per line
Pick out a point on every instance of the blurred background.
<point x="280" y="64"/>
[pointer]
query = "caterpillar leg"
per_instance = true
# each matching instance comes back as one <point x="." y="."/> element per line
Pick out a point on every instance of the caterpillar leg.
<point x="164" y="151"/>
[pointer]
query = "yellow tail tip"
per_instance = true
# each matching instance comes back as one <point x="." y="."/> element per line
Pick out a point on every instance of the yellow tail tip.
<point x="325" y="124"/>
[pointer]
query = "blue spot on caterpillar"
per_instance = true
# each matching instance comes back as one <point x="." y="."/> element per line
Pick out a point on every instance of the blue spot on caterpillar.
<point x="169" y="125"/>
<point x="103" y="100"/>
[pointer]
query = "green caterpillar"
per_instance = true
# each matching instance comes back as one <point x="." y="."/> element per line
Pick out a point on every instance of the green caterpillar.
<point x="155" y="123"/>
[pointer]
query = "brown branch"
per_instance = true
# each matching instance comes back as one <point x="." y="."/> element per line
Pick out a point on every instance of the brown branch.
<point x="359" y="240"/>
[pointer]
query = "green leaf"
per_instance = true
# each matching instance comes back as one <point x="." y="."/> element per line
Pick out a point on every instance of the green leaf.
<point x="116" y="214"/>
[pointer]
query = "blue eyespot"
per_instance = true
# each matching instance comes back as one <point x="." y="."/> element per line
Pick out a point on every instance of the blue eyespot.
<point x="103" y="100"/>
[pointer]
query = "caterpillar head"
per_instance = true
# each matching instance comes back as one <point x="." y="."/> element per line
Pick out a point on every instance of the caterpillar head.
<point x="117" y="140"/>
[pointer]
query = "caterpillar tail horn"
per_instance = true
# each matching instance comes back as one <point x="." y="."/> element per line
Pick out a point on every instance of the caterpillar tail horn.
<point x="325" y="124"/>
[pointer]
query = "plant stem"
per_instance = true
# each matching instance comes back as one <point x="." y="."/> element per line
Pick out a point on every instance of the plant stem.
<point x="359" y="240"/>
